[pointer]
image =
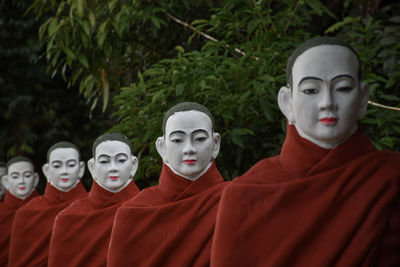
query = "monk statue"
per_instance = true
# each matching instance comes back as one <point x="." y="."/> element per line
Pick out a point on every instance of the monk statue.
<point x="174" y="221"/>
<point x="2" y="187"/>
<point x="82" y="231"/>
<point x="330" y="198"/>
<point x="33" y="223"/>
<point x="20" y="181"/>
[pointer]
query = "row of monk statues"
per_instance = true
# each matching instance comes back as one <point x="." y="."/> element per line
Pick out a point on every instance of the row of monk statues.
<point x="328" y="199"/>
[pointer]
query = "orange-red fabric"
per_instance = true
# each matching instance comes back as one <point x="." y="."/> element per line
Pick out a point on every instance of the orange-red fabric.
<point x="168" y="225"/>
<point x="8" y="208"/>
<point x="310" y="207"/>
<point x="81" y="232"/>
<point x="33" y="224"/>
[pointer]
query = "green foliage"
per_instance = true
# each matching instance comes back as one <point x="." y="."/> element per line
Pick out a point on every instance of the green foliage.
<point x="98" y="45"/>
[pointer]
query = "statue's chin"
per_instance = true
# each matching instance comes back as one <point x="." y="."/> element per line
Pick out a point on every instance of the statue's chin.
<point x="329" y="143"/>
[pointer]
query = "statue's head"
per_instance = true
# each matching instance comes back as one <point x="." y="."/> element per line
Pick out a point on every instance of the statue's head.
<point x="324" y="97"/>
<point x="2" y="172"/>
<point x="63" y="169"/>
<point x="21" y="178"/>
<point x="113" y="164"/>
<point x="189" y="144"/>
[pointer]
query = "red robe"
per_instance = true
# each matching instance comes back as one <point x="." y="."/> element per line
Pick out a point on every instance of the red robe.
<point x="168" y="225"/>
<point x="7" y="212"/>
<point x="33" y="224"/>
<point x="311" y="206"/>
<point x="81" y="232"/>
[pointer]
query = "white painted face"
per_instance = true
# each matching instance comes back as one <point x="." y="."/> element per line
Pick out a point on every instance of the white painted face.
<point x="2" y="187"/>
<point x="64" y="170"/>
<point x="189" y="144"/>
<point x="21" y="179"/>
<point x="327" y="100"/>
<point x="113" y="166"/>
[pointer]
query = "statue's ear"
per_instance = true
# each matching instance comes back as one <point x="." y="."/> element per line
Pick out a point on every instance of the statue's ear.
<point x="217" y="144"/>
<point x="285" y="103"/>
<point x="160" y="145"/>
<point x="4" y="181"/>
<point x="90" y="165"/>
<point x="81" y="169"/>
<point x="35" y="179"/>
<point x="364" y="88"/>
<point x="45" y="169"/>
<point x="135" y="165"/>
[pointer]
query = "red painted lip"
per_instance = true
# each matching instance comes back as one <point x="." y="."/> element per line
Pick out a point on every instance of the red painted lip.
<point x="64" y="179"/>
<point x="190" y="161"/>
<point x="113" y="178"/>
<point x="328" y="120"/>
<point x="21" y="188"/>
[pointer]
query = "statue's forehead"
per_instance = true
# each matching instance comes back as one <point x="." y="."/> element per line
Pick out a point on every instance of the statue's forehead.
<point x="111" y="147"/>
<point x="63" y="152"/>
<point x="325" y="61"/>
<point x="188" y="119"/>
<point x="21" y="166"/>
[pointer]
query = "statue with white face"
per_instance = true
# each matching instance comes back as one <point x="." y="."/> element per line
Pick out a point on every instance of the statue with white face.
<point x="189" y="144"/>
<point x="2" y="187"/>
<point x="63" y="169"/>
<point x="21" y="178"/>
<point x="113" y="166"/>
<point x="325" y="99"/>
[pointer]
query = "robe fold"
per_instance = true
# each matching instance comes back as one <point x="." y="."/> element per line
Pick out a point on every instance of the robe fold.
<point x="33" y="224"/>
<point x="168" y="225"/>
<point x="8" y="208"/>
<point x="81" y="232"/>
<point x="311" y="206"/>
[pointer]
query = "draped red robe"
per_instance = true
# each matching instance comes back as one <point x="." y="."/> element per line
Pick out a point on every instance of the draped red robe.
<point x="8" y="208"/>
<point x="311" y="206"/>
<point x="81" y="232"/>
<point x="33" y="224"/>
<point x="168" y="225"/>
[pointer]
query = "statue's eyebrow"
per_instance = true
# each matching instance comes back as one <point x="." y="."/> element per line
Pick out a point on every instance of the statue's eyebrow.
<point x="310" y="78"/>
<point x="103" y="155"/>
<point x="200" y="131"/>
<point x="177" y="132"/>
<point x="342" y="76"/>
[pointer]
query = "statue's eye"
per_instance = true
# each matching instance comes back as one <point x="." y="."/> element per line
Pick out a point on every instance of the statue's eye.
<point x="344" y="89"/>
<point x="176" y="140"/>
<point x="310" y="91"/>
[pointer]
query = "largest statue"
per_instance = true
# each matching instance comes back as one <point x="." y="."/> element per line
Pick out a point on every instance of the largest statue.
<point x="330" y="198"/>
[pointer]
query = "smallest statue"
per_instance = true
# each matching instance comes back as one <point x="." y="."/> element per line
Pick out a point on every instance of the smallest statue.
<point x="20" y="180"/>
<point x="2" y="187"/>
